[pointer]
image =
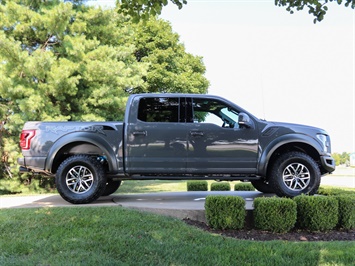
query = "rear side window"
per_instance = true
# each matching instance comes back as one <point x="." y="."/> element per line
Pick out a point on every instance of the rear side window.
<point x="159" y="110"/>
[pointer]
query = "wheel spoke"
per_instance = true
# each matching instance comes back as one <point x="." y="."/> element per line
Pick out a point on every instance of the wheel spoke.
<point x="290" y="170"/>
<point x="304" y="181"/>
<point x="295" y="184"/>
<point x="76" y="186"/>
<point x="299" y="168"/>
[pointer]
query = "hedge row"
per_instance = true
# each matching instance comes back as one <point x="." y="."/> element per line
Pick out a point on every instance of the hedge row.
<point x="197" y="185"/>
<point x="314" y="213"/>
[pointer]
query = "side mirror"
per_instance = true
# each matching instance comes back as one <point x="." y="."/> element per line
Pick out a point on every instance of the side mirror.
<point x="245" y="121"/>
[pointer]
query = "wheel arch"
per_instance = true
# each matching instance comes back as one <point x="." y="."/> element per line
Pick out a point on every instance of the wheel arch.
<point x="285" y="144"/>
<point x="81" y="143"/>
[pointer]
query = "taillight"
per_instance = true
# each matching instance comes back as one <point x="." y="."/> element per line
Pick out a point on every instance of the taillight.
<point x="26" y="137"/>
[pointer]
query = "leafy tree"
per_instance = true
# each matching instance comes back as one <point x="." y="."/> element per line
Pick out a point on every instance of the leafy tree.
<point x="67" y="61"/>
<point x="141" y="9"/>
<point x="336" y="157"/>
<point x="62" y="62"/>
<point x="145" y="8"/>
<point x="3" y="119"/>
<point x="316" y="8"/>
<point x="343" y="158"/>
<point x="170" y="69"/>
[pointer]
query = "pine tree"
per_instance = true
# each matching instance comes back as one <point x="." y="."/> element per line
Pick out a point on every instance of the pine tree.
<point x="62" y="61"/>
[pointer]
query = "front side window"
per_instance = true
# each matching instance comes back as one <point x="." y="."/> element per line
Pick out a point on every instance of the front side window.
<point x="214" y="112"/>
<point x="159" y="110"/>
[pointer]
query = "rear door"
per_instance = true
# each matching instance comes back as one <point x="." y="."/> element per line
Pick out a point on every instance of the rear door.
<point x="157" y="139"/>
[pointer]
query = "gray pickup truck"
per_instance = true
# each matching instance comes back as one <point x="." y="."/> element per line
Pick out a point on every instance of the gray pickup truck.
<point x="176" y="137"/>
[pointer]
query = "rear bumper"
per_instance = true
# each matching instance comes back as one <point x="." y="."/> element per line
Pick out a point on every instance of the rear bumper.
<point x="328" y="163"/>
<point x="31" y="164"/>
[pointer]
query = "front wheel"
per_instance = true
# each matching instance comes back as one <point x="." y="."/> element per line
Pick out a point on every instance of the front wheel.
<point x="295" y="173"/>
<point x="80" y="179"/>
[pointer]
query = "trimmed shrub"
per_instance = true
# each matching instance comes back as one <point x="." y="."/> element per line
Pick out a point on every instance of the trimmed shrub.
<point x="244" y="187"/>
<point x="225" y="212"/>
<point x="317" y="213"/>
<point x="220" y="186"/>
<point x="346" y="211"/>
<point x="197" y="185"/>
<point x="275" y="214"/>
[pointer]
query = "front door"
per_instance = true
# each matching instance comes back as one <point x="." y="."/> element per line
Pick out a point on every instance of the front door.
<point x="216" y="142"/>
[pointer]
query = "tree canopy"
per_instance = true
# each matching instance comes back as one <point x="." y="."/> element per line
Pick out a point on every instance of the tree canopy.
<point x="68" y="61"/>
<point x="170" y="68"/>
<point x="316" y="8"/>
<point x="142" y="9"/>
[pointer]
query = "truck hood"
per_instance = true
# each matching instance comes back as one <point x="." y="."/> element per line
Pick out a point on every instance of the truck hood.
<point x="299" y="128"/>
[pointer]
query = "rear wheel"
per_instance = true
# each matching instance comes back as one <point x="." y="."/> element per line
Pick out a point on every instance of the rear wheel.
<point x="80" y="179"/>
<point x="295" y="173"/>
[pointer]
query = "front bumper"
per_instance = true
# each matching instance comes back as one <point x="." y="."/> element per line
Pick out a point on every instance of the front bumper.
<point x="328" y="163"/>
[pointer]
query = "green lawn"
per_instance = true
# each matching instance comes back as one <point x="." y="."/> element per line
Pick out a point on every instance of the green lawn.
<point x="152" y="186"/>
<point x="117" y="236"/>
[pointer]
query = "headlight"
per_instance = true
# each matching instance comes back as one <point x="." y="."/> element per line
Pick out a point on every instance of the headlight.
<point x="324" y="139"/>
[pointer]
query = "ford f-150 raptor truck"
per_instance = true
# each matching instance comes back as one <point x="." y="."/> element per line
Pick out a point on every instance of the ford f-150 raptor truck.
<point x="176" y="137"/>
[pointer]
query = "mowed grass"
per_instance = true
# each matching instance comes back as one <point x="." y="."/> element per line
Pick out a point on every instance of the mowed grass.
<point x="152" y="186"/>
<point x="117" y="236"/>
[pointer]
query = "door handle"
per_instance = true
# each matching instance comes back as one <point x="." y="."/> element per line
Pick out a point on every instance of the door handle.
<point x="139" y="133"/>
<point x="196" y="133"/>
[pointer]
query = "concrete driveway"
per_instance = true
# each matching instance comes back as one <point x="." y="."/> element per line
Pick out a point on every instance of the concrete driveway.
<point x="177" y="204"/>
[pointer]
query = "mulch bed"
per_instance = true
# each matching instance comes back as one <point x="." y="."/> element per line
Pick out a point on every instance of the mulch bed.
<point x="295" y="235"/>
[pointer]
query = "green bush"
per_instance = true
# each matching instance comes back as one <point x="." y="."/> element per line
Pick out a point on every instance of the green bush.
<point x="196" y="185"/>
<point x="225" y="212"/>
<point x="244" y="187"/>
<point x="220" y="186"/>
<point x="346" y="211"/>
<point x="317" y="213"/>
<point x="275" y="214"/>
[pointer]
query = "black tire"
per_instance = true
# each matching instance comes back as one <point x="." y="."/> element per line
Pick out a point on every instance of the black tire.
<point x="111" y="187"/>
<point x="295" y="173"/>
<point x="80" y="179"/>
<point x="262" y="186"/>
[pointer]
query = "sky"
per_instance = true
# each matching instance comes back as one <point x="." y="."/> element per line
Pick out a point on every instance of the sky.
<point x="278" y="66"/>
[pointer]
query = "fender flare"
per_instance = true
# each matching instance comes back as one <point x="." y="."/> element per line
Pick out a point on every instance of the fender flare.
<point x="269" y="150"/>
<point x="83" y="137"/>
